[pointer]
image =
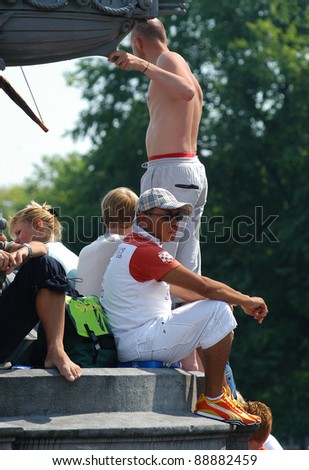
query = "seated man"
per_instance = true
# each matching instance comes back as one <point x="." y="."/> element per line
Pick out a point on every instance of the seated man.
<point x="36" y="293"/>
<point x="117" y="209"/>
<point x="136" y="298"/>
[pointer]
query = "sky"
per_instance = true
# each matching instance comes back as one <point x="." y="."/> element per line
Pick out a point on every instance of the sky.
<point x="22" y="141"/>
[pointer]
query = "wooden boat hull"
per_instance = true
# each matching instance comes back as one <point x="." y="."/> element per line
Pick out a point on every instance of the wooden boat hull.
<point x="47" y="41"/>
<point x="42" y="31"/>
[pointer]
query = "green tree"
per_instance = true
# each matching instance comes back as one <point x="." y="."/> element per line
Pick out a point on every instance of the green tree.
<point x="61" y="181"/>
<point x="256" y="139"/>
<point x="115" y="121"/>
<point x="12" y="198"/>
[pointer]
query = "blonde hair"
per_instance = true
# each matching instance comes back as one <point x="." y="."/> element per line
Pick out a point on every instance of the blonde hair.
<point x="118" y="207"/>
<point x="44" y="212"/>
<point x="258" y="408"/>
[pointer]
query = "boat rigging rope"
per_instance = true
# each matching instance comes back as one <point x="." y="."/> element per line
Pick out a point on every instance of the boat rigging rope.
<point x="32" y="96"/>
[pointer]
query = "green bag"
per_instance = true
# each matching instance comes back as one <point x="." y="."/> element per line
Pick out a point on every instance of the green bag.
<point x="88" y="339"/>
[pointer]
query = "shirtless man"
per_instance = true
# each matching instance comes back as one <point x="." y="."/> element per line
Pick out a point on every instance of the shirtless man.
<point x="175" y="102"/>
<point x="175" y="107"/>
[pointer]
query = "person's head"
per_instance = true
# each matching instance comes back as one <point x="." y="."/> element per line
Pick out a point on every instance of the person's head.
<point x="147" y="34"/>
<point x="118" y="210"/>
<point x="158" y="212"/>
<point x="35" y="222"/>
<point x="3" y="226"/>
<point x="258" y="437"/>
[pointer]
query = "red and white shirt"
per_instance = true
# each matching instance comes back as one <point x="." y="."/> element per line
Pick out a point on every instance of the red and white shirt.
<point x="133" y="294"/>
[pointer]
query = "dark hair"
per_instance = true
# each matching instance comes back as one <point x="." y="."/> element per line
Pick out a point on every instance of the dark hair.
<point x="152" y="29"/>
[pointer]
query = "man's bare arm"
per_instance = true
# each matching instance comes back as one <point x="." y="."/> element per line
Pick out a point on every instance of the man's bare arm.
<point x="173" y="84"/>
<point x="185" y="294"/>
<point x="211" y="289"/>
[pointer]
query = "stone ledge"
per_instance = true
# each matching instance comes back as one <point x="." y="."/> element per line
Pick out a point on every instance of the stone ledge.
<point x="98" y="390"/>
<point x="137" y="431"/>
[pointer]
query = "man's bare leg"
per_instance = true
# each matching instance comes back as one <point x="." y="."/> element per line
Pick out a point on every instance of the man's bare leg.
<point x="199" y="357"/>
<point x="50" y="306"/>
<point x="214" y="360"/>
<point x="190" y="363"/>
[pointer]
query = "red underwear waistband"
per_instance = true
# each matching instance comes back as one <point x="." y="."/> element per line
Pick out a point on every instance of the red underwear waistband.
<point x="173" y="155"/>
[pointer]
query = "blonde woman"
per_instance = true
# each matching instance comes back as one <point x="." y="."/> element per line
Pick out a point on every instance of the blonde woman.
<point x="38" y="222"/>
<point x="36" y="293"/>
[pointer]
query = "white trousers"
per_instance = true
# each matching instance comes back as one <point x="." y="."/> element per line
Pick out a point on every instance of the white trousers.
<point x="197" y="324"/>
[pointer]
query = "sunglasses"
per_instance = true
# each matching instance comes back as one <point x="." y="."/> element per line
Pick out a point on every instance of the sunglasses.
<point x="168" y="217"/>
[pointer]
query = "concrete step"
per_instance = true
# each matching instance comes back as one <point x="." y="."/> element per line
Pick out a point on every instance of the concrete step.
<point x="109" y="409"/>
<point x="122" y="431"/>
<point x="45" y="392"/>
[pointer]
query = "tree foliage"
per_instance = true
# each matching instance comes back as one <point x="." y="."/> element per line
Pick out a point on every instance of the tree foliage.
<point x="255" y="131"/>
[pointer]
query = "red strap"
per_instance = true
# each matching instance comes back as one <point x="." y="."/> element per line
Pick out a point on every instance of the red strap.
<point x="173" y="155"/>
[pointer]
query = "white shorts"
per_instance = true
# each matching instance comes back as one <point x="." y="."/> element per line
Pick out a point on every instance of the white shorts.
<point x="197" y="324"/>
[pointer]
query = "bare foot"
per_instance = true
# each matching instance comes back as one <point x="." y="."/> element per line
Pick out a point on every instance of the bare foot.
<point x="61" y="361"/>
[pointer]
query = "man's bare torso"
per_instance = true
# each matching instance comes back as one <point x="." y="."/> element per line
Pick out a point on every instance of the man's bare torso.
<point x="173" y="125"/>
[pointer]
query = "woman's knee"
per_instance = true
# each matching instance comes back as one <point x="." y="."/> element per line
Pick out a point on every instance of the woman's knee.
<point x="44" y="271"/>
